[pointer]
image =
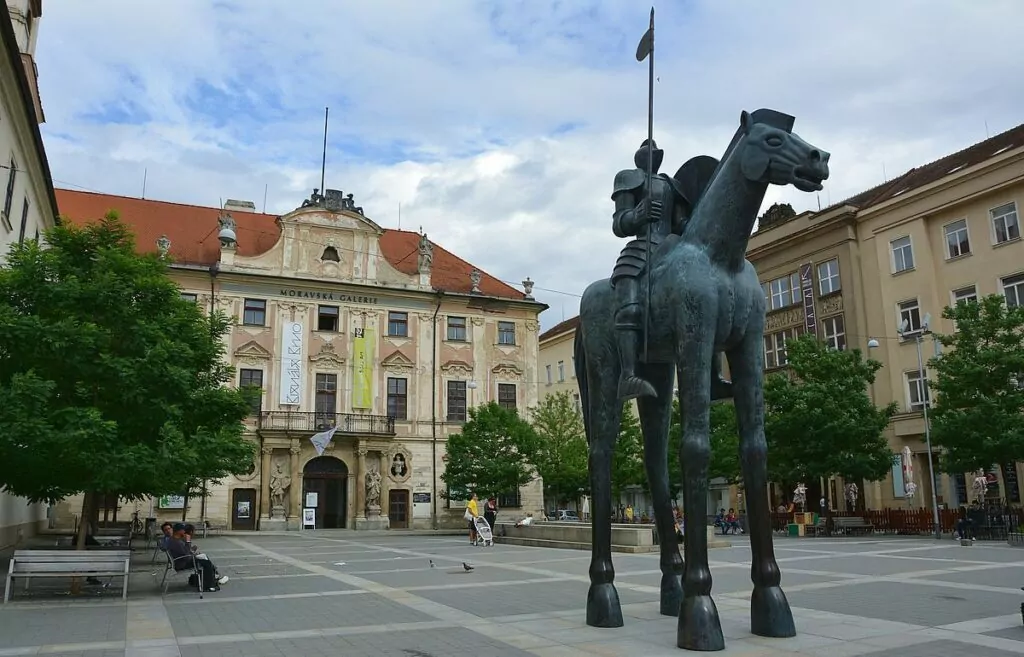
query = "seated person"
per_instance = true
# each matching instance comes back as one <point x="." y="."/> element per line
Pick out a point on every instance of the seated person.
<point x="731" y="522"/>
<point x="720" y="520"/>
<point x="167" y="530"/>
<point x="184" y="558"/>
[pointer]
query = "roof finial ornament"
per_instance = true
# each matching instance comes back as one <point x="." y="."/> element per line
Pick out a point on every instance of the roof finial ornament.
<point x="163" y="245"/>
<point x="528" y="288"/>
<point x="474" y="278"/>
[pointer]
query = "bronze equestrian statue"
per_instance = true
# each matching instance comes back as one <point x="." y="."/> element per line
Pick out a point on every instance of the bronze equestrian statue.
<point x="705" y="299"/>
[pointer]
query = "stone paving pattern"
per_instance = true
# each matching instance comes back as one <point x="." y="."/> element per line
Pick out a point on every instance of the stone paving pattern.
<point x="343" y="593"/>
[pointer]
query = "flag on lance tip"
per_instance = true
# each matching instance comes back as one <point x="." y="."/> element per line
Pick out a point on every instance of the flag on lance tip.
<point x="322" y="440"/>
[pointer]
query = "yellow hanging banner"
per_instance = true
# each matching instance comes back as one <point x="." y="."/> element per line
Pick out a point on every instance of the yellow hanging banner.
<point x="362" y="368"/>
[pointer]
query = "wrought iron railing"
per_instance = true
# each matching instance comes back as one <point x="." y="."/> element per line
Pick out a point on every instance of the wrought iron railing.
<point x="380" y="425"/>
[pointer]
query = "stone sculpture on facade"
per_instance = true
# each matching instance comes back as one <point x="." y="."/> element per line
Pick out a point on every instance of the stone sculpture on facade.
<point x="852" y="493"/>
<point x="425" y="254"/>
<point x="373" y="482"/>
<point x="280" y="482"/>
<point x="528" y="288"/>
<point x="475" y="277"/>
<point x="704" y="298"/>
<point x="163" y="245"/>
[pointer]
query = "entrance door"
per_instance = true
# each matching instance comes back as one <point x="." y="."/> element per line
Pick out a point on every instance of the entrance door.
<point x="243" y="509"/>
<point x="327" y="477"/>
<point x="398" y="508"/>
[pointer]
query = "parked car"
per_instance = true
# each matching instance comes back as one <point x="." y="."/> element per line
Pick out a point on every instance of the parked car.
<point x="566" y="515"/>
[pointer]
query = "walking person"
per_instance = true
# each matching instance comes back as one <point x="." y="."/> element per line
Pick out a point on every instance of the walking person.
<point x="472" y="512"/>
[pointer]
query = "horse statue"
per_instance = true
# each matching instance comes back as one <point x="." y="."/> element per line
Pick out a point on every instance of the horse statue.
<point x="705" y="298"/>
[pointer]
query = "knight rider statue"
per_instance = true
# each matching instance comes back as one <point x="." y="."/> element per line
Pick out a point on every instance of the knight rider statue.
<point x="652" y="221"/>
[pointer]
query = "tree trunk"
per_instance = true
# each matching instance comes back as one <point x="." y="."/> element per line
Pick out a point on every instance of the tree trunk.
<point x="184" y="508"/>
<point x="88" y="506"/>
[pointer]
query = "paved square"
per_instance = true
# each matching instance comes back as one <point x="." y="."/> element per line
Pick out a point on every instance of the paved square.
<point x="353" y="594"/>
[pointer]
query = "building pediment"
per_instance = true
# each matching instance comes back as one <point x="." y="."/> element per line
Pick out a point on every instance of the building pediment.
<point x="457" y="368"/>
<point x="507" y="370"/>
<point x="252" y="350"/>
<point x="328" y="356"/>
<point x="398" y="362"/>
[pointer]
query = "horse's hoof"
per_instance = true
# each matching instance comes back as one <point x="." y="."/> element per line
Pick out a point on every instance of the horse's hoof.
<point x="699" y="625"/>
<point x="603" y="609"/>
<point x="671" y="594"/>
<point x="770" y="614"/>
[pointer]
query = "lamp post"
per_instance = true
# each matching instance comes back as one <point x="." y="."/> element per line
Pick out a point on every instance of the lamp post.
<point x="918" y="337"/>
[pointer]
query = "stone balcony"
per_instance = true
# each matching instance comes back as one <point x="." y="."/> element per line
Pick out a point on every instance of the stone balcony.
<point x="292" y="422"/>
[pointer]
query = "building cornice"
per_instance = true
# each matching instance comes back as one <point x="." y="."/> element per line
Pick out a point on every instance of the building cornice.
<point x="16" y="66"/>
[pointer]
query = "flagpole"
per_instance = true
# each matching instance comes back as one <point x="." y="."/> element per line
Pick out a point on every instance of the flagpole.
<point x="650" y="176"/>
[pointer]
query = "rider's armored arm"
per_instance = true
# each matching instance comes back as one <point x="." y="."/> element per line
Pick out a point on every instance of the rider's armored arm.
<point x="624" y="220"/>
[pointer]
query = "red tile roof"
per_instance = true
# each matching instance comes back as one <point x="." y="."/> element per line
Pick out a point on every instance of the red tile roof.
<point x="562" y="327"/>
<point x="192" y="230"/>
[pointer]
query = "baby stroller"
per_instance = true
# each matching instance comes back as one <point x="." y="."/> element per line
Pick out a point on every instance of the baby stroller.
<point x="483" y="531"/>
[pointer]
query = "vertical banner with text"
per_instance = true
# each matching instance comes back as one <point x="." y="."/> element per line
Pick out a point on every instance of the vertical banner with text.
<point x="292" y="347"/>
<point x="362" y="368"/>
<point x="807" y="289"/>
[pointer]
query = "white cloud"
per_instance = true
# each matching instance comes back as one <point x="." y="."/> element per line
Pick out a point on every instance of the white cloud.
<point x="457" y="110"/>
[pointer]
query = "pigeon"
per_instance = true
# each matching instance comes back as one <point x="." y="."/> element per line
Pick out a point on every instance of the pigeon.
<point x="431" y="563"/>
<point x="467" y="567"/>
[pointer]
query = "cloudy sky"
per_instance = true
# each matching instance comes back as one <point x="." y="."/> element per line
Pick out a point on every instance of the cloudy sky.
<point x="498" y="126"/>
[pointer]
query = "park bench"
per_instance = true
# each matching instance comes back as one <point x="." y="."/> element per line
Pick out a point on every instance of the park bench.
<point x="819" y="528"/>
<point x="26" y="564"/>
<point x="852" y="525"/>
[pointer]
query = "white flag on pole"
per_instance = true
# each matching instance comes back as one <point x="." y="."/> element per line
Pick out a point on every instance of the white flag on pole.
<point x="322" y="440"/>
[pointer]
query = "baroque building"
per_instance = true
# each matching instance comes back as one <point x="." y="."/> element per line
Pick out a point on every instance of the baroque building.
<point x="28" y="205"/>
<point x="875" y="271"/>
<point x="378" y="335"/>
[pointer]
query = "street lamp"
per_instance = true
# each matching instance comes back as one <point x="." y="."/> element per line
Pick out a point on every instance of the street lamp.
<point x="918" y="337"/>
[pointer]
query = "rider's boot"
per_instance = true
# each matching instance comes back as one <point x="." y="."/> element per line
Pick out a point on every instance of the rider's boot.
<point x="721" y="388"/>
<point x="631" y="385"/>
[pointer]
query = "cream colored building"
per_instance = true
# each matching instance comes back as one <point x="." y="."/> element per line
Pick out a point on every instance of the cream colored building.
<point x="557" y="363"/>
<point x="942" y="233"/>
<point x="28" y="205"/>
<point x="343" y="324"/>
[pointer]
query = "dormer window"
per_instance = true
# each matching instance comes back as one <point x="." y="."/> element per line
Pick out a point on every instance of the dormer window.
<point x="330" y="254"/>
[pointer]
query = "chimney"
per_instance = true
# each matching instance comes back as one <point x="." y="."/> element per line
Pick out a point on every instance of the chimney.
<point x="234" y="205"/>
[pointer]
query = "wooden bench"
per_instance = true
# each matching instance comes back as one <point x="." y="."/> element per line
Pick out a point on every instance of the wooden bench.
<point x="27" y="564"/>
<point x="819" y="528"/>
<point x="852" y="525"/>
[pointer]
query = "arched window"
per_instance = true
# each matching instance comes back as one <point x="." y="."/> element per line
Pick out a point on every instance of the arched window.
<point x="330" y="253"/>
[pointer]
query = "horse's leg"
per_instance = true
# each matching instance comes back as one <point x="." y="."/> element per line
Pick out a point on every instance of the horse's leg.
<point x="655" y="418"/>
<point x="699" y="626"/>
<point x="602" y="416"/>
<point x="770" y="614"/>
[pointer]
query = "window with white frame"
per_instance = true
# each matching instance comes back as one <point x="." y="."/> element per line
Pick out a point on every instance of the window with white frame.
<point x="834" y="330"/>
<point x="902" y="254"/>
<point x="966" y="294"/>
<point x="1005" y="222"/>
<point x="547" y="368"/>
<point x="784" y="291"/>
<point x="775" y="348"/>
<point x="958" y="243"/>
<point x="917" y="391"/>
<point x="561" y="371"/>
<point x="1013" y="289"/>
<point x="828" y="277"/>
<point x="910" y="312"/>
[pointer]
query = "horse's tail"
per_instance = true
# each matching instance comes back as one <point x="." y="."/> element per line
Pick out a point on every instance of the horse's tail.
<point x="580" y="362"/>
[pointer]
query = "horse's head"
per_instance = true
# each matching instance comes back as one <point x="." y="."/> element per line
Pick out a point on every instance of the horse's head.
<point x="771" y="153"/>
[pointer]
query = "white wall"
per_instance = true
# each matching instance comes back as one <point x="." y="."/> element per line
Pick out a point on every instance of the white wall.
<point x="18" y="519"/>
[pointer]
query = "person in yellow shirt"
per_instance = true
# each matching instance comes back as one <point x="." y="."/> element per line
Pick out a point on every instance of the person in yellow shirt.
<point x="472" y="511"/>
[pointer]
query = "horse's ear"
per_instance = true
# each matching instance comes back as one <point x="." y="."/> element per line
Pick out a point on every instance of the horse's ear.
<point x="745" y="121"/>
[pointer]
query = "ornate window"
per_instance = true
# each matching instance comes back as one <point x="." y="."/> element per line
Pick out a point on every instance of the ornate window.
<point x="250" y="378"/>
<point x="254" y="312"/>
<point x="398" y="398"/>
<point x="506" y="333"/>
<point x="327" y="318"/>
<point x="456" y="329"/>
<point x="398" y="324"/>
<point x="456" y="401"/>
<point x="330" y="255"/>
<point x="507" y="395"/>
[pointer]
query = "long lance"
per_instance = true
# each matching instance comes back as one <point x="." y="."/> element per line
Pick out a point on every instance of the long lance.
<point x="644" y="50"/>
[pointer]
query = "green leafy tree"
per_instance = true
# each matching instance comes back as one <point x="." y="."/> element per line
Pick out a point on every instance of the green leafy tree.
<point x="628" y="458"/>
<point x="110" y="383"/>
<point x="561" y="452"/>
<point x="820" y="420"/>
<point x="978" y="411"/>
<point x="491" y="455"/>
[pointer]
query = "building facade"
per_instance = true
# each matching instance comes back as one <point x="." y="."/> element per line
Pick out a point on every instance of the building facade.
<point x="28" y="205"/>
<point x="872" y="269"/>
<point x="377" y="334"/>
<point x="558" y="362"/>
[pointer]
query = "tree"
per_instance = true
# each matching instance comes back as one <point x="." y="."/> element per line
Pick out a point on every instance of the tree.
<point x="775" y="213"/>
<point x="561" y="452"/>
<point x="490" y="455"/>
<point x="820" y="421"/>
<point x="978" y="412"/>
<point x="628" y="459"/>
<point x="110" y="382"/>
